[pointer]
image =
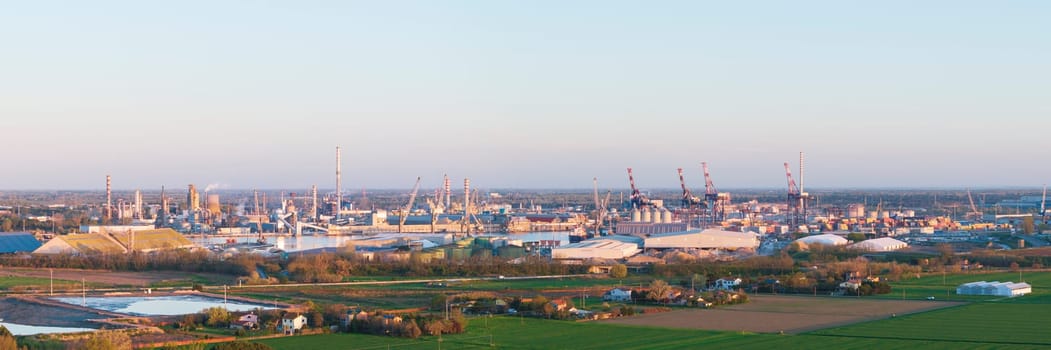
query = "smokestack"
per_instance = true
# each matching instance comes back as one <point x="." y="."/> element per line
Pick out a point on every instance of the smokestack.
<point x="138" y="205"/>
<point x="448" y="193"/>
<point x="339" y="182"/>
<point x="466" y="203"/>
<point x="313" y="206"/>
<point x="164" y="208"/>
<point x="108" y="212"/>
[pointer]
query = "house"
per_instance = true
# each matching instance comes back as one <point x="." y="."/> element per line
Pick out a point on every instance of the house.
<point x="559" y="304"/>
<point x="289" y="326"/>
<point x="246" y="322"/>
<point x="727" y="284"/>
<point x="850" y="284"/>
<point x="355" y="315"/>
<point x="617" y="294"/>
<point x="391" y="320"/>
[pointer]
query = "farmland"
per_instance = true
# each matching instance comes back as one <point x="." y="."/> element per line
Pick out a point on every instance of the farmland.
<point x="791" y="314"/>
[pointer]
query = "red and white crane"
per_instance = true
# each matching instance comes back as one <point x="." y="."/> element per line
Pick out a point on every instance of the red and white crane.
<point x="688" y="199"/>
<point x="717" y="202"/>
<point x="638" y="200"/>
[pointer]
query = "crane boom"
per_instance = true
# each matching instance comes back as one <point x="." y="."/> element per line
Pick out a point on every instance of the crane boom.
<point x="974" y="209"/>
<point x="408" y="207"/>
<point x="709" y="186"/>
<point x="637" y="199"/>
<point x="792" y="189"/>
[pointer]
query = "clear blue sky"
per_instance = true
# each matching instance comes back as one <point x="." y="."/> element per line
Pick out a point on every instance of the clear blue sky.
<point x="529" y="94"/>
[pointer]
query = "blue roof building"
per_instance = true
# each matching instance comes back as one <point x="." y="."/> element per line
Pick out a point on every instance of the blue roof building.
<point x="18" y="242"/>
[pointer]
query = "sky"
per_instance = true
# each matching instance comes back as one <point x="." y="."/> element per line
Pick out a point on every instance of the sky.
<point x="524" y="94"/>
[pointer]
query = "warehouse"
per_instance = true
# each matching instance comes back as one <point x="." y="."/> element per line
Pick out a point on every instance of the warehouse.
<point x="619" y="247"/>
<point x="18" y="242"/>
<point x="706" y="239"/>
<point x="884" y="244"/>
<point x="1004" y="289"/>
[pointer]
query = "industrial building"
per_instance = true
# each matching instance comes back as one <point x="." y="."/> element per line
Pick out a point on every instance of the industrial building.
<point x="1004" y="289"/>
<point x="647" y="222"/>
<point x="18" y="242"/>
<point x="115" y="243"/>
<point x="706" y="239"/>
<point x="613" y="247"/>
<point x="823" y="239"/>
<point x="883" y="244"/>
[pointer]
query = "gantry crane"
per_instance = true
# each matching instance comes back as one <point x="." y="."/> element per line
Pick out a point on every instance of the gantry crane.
<point x="688" y="199"/>
<point x="408" y="207"/>
<point x="717" y="201"/>
<point x="796" y="205"/>
<point x="638" y="200"/>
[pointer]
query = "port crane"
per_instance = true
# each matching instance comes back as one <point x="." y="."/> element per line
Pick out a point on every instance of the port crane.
<point x="408" y="207"/>
<point x="688" y="199"/>
<point x="974" y="214"/>
<point x="717" y="201"/>
<point x="794" y="201"/>
<point x="638" y="200"/>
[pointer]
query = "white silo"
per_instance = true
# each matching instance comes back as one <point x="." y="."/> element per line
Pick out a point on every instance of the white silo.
<point x="667" y="217"/>
<point x="646" y="215"/>
<point x="635" y="215"/>
<point x="656" y="219"/>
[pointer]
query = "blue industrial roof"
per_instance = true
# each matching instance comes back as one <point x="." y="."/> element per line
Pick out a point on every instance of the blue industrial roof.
<point x="14" y="242"/>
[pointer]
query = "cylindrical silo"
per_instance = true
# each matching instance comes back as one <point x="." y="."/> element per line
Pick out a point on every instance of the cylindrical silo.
<point x="646" y="215"/>
<point x="635" y="215"/>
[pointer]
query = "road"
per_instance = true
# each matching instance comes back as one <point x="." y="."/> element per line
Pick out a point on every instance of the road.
<point x="380" y="283"/>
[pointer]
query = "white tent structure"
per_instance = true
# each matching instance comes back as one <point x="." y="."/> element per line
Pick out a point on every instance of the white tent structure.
<point x="824" y="239"/>
<point x="596" y="249"/>
<point x="884" y="244"/>
<point x="1004" y="289"/>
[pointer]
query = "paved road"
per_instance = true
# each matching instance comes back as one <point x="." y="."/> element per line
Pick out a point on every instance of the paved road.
<point x="380" y="283"/>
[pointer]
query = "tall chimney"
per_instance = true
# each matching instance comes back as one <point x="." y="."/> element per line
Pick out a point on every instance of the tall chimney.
<point x="108" y="211"/>
<point x="313" y="206"/>
<point x="339" y="182"/>
<point x="448" y="193"/>
<point x="467" y="203"/>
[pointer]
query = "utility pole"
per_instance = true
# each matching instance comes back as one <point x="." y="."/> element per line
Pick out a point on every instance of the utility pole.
<point x="52" y="292"/>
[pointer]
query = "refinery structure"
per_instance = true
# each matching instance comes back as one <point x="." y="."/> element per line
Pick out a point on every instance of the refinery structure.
<point x="596" y="224"/>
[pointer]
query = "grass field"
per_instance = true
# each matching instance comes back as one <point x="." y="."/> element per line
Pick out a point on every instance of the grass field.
<point x="514" y="333"/>
<point x="944" y="287"/>
<point x="19" y="283"/>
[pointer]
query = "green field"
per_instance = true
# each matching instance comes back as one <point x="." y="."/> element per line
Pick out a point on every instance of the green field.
<point x="8" y="283"/>
<point x="985" y="323"/>
<point x="514" y="333"/>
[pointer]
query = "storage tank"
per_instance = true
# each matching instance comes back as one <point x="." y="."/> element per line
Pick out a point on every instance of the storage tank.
<point x="873" y="214"/>
<point x="856" y="211"/>
<point x="884" y="214"/>
<point x="656" y="216"/>
<point x="910" y="213"/>
<point x="213" y="204"/>
<point x="635" y="215"/>
<point x="646" y="215"/>
<point x="667" y="217"/>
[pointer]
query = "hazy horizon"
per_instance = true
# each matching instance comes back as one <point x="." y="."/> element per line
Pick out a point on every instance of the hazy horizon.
<point x="542" y="94"/>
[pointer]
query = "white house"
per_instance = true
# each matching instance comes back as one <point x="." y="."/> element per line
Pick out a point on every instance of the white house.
<point x="727" y="284"/>
<point x="617" y="294"/>
<point x="290" y="325"/>
<point x="248" y="321"/>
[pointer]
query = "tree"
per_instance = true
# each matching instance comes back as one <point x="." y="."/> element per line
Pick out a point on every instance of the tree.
<point x="107" y="340"/>
<point x="317" y="319"/>
<point x="8" y="342"/>
<point x="618" y="271"/>
<point x="698" y="280"/>
<point x="658" y="291"/>
<point x="410" y="330"/>
<point x="856" y="237"/>
<point x="216" y="316"/>
<point x="4" y="332"/>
